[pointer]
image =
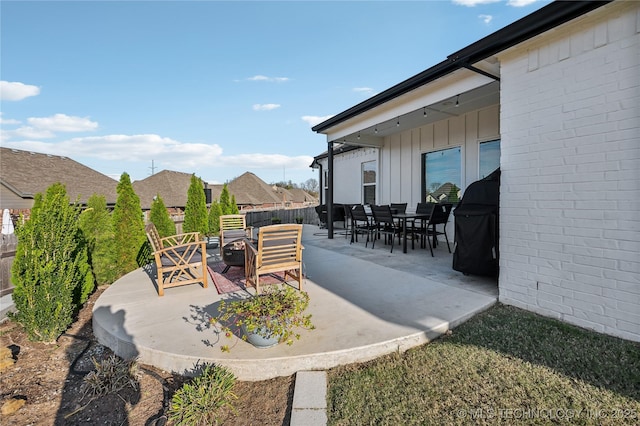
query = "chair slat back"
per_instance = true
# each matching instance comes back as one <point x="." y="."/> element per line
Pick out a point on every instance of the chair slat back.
<point x="153" y="237"/>
<point x="279" y="243"/>
<point x="232" y="221"/>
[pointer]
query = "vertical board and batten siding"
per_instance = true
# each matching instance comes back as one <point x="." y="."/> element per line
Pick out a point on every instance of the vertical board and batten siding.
<point x="347" y="176"/>
<point x="401" y="165"/>
<point x="400" y="158"/>
<point x="570" y="161"/>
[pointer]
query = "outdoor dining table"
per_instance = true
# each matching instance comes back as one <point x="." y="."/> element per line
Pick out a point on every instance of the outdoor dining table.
<point x="404" y="217"/>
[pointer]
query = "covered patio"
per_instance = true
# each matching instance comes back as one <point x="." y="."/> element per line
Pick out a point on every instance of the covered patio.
<point x="365" y="303"/>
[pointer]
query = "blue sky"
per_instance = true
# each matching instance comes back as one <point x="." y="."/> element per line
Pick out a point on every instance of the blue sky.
<point x="210" y="87"/>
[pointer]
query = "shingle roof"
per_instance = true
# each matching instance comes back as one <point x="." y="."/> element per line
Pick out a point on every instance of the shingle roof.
<point x="249" y="189"/>
<point x="28" y="173"/>
<point x="172" y="187"/>
<point x="302" y="196"/>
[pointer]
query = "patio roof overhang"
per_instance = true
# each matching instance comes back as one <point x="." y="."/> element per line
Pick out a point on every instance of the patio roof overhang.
<point x="450" y="96"/>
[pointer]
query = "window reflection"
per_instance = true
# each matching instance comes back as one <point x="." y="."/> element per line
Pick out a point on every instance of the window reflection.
<point x="489" y="158"/>
<point x="442" y="175"/>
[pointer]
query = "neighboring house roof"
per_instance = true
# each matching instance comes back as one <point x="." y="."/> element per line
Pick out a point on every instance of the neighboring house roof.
<point x="172" y="186"/>
<point x="249" y="189"/>
<point x="546" y="18"/>
<point x="301" y="196"/>
<point x="27" y="173"/>
<point x="443" y="192"/>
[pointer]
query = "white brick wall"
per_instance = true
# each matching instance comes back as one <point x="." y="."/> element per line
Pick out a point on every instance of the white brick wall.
<point x="570" y="196"/>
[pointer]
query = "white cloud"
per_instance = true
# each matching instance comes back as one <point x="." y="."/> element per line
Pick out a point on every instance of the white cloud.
<point x="269" y="79"/>
<point x="520" y="3"/>
<point x="472" y="3"/>
<point x="265" y="107"/>
<point x="268" y="161"/>
<point x="128" y="150"/>
<point x="63" y="123"/>
<point x="368" y="91"/>
<point x="16" y="91"/>
<point x="312" y="120"/>
<point x="7" y="120"/>
<point x="170" y="153"/>
<point x="486" y="18"/>
<point x="27" y="132"/>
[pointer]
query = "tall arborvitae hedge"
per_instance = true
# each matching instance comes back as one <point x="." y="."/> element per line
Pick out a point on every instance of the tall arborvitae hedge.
<point x="95" y="222"/>
<point x="195" y="212"/>
<point x="128" y="227"/>
<point x="159" y="216"/>
<point x="214" y="217"/>
<point x="234" y="205"/>
<point x="225" y="201"/>
<point x="51" y="271"/>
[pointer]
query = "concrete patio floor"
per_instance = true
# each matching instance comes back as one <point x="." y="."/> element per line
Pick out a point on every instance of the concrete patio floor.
<point x="365" y="303"/>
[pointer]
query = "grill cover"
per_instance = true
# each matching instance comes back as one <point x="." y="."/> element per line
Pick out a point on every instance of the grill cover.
<point x="476" y="228"/>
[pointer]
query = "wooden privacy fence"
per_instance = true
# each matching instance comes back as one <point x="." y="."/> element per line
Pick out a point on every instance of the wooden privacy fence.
<point x="265" y="217"/>
<point x="8" y="245"/>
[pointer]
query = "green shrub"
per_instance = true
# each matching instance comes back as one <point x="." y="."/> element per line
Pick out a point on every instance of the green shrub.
<point x="200" y="401"/>
<point x="195" y="212"/>
<point x="225" y="200"/>
<point x="226" y="205"/>
<point x="95" y="222"/>
<point x="51" y="271"/>
<point x="234" y="205"/>
<point x="159" y="216"/>
<point x="128" y="227"/>
<point x="214" y="218"/>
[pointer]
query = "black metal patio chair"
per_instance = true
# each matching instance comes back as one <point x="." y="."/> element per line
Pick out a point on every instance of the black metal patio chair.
<point x="385" y="225"/>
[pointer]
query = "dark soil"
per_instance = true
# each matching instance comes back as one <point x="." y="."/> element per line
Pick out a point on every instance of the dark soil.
<point x="49" y="377"/>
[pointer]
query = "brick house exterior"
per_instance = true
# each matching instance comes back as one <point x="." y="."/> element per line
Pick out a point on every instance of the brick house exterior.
<point x="559" y="90"/>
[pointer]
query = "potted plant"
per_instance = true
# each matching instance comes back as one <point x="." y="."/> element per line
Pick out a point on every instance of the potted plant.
<point x="299" y="219"/>
<point x="268" y="318"/>
<point x="276" y="220"/>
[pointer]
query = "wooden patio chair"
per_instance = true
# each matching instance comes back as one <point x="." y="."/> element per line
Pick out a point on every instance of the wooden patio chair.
<point x="279" y="249"/>
<point x="233" y="227"/>
<point x="180" y="259"/>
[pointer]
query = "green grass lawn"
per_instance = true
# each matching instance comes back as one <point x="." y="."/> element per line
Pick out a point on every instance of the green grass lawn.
<point x="504" y="366"/>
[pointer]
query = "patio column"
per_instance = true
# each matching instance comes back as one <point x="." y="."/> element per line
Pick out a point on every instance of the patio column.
<point x="330" y="191"/>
